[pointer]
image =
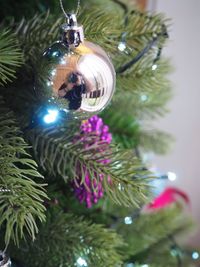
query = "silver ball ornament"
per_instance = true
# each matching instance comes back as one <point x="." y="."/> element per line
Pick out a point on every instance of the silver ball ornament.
<point x="4" y="260"/>
<point x="79" y="77"/>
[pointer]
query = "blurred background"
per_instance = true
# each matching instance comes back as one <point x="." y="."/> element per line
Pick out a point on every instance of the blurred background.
<point x="183" y="120"/>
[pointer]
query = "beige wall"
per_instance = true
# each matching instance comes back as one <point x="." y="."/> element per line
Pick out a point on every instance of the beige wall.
<point x="184" y="120"/>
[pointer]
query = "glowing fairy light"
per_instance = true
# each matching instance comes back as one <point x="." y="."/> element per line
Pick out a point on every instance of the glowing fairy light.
<point x="81" y="262"/>
<point x="195" y="255"/>
<point x="128" y="220"/>
<point x="122" y="46"/>
<point x="144" y="98"/>
<point x="172" y="176"/>
<point x="51" y="116"/>
<point x="154" y="67"/>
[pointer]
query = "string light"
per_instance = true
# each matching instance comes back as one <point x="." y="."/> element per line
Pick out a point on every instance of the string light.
<point x="171" y="176"/>
<point x="3" y="190"/>
<point x="63" y="62"/>
<point x="195" y="255"/>
<point x="51" y="117"/>
<point x="81" y="262"/>
<point x="128" y="220"/>
<point x="144" y="98"/>
<point x="55" y="54"/>
<point x="122" y="46"/>
<point x="154" y="67"/>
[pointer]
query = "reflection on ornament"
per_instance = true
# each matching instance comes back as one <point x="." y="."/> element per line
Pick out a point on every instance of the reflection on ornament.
<point x="76" y="75"/>
<point x="83" y="76"/>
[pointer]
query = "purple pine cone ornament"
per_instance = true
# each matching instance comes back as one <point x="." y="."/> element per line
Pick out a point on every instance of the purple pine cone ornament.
<point x="90" y="189"/>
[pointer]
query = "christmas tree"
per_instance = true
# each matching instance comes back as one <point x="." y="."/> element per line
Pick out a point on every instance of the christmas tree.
<point x="75" y="190"/>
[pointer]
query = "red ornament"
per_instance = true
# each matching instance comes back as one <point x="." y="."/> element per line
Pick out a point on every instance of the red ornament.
<point x="170" y="196"/>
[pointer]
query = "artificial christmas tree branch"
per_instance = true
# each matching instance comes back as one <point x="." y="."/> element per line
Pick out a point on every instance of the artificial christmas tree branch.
<point x="21" y="199"/>
<point x="144" y="90"/>
<point x="10" y="56"/>
<point x="124" y="177"/>
<point x="163" y="226"/>
<point x="73" y="238"/>
<point x="73" y="159"/>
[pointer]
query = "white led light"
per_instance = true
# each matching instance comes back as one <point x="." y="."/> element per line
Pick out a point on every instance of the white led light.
<point x="122" y="46"/>
<point x="128" y="220"/>
<point x="51" y="116"/>
<point x="145" y="265"/>
<point x="62" y="62"/>
<point x="81" y="262"/>
<point x="154" y="67"/>
<point x="54" y="54"/>
<point x="195" y="255"/>
<point x="120" y="187"/>
<point x="144" y="98"/>
<point x="172" y="176"/>
<point x="53" y="73"/>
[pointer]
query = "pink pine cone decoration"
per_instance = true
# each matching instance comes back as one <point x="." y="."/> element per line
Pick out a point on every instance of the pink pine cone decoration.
<point x="91" y="190"/>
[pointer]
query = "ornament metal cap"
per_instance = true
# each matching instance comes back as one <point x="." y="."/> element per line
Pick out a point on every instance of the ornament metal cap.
<point x="4" y="260"/>
<point x="72" y="32"/>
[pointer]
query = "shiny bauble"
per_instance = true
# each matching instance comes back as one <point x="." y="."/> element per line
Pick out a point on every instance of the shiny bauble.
<point x="78" y="79"/>
<point x="4" y="260"/>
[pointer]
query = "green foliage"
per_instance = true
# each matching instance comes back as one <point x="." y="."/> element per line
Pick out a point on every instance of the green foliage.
<point x="155" y="140"/>
<point x="124" y="128"/>
<point x="58" y="154"/>
<point x="102" y="31"/>
<point x="10" y="56"/>
<point x="142" y="93"/>
<point x="156" y="228"/>
<point x="64" y="238"/>
<point x="37" y="33"/>
<point x="145" y="91"/>
<point x="20" y="197"/>
<point x="29" y="8"/>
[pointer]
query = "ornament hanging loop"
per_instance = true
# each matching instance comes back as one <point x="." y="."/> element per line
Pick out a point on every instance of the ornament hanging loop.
<point x="72" y="32"/>
<point x="65" y="13"/>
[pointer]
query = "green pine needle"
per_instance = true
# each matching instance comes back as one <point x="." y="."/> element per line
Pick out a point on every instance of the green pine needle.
<point x="71" y="238"/>
<point x="21" y="199"/>
<point x="10" y="56"/>
<point x="58" y="154"/>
